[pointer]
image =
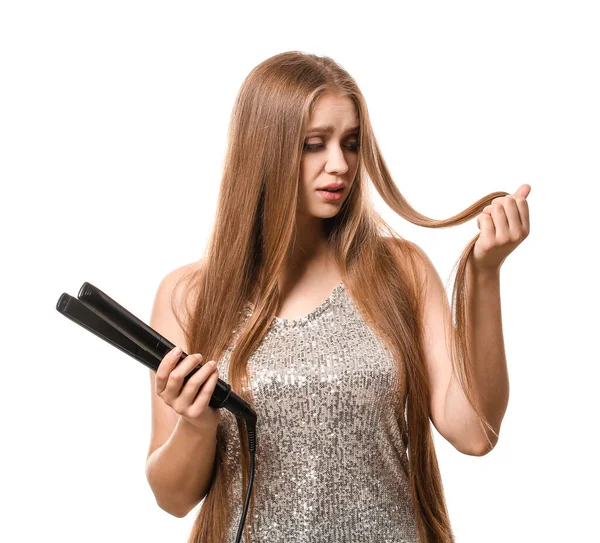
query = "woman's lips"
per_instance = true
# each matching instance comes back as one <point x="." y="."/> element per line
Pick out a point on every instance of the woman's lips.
<point x="331" y="196"/>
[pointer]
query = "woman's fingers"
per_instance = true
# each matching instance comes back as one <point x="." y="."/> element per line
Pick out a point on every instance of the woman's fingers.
<point x="189" y="391"/>
<point x="200" y="403"/>
<point x="169" y="387"/>
<point x="165" y="367"/>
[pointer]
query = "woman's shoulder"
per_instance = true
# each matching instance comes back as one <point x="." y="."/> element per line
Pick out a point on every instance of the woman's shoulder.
<point x="182" y="272"/>
<point x="410" y="256"/>
<point x="403" y="247"/>
<point x="177" y="284"/>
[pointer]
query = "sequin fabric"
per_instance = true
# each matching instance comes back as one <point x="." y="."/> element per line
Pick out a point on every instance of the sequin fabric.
<point x="327" y="467"/>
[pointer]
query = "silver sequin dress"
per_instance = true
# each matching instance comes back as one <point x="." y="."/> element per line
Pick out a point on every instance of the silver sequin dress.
<point x="327" y="466"/>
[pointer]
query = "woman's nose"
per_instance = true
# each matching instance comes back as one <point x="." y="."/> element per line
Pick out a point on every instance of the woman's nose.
<point x="336" y="162"/>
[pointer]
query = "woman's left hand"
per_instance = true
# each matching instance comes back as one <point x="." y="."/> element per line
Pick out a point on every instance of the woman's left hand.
<point x="503" y="225"/>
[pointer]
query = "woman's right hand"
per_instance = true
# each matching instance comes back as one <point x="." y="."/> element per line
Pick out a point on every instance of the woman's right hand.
<point x="185" y="400"/>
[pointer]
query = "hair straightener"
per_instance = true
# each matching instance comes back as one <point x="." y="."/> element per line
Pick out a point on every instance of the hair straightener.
<point x="100" y="314"/>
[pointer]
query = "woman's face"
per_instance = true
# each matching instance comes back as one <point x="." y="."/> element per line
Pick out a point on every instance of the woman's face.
<point x="330" y="156"/>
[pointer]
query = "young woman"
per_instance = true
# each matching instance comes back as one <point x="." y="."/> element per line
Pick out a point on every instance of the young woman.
<point x="336" y="329"/>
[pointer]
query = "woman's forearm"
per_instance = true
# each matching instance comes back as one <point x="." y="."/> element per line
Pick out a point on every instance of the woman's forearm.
<point x="486" y="345"/>
<point x="180" y="471"/>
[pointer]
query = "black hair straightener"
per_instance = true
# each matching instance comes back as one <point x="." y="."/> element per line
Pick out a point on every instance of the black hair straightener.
<point x="100" y="314"/>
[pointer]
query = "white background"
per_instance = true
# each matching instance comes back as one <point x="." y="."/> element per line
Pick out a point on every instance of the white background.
<point x="113" y="119"/>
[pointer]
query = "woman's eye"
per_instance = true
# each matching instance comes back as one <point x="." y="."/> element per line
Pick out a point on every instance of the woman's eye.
<point x="312" y="147"/>
<point x="353" y="146"/>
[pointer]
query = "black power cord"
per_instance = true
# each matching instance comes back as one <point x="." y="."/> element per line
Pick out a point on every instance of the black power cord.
<point x="251" y="429"/>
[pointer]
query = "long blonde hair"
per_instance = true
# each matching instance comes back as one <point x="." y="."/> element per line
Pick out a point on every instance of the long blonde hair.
<point x="253" y="235"/>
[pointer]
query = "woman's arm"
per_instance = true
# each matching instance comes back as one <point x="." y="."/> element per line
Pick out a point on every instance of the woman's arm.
<point x="180" y="471"/>
<point x="504" y="224"/>
<point x="488" y="361"/>
<point x="449" y="409"/>
<point x="180" y="458"/>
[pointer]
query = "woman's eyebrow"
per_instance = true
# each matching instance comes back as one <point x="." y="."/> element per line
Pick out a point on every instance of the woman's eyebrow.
<point x="328" y="128"/>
